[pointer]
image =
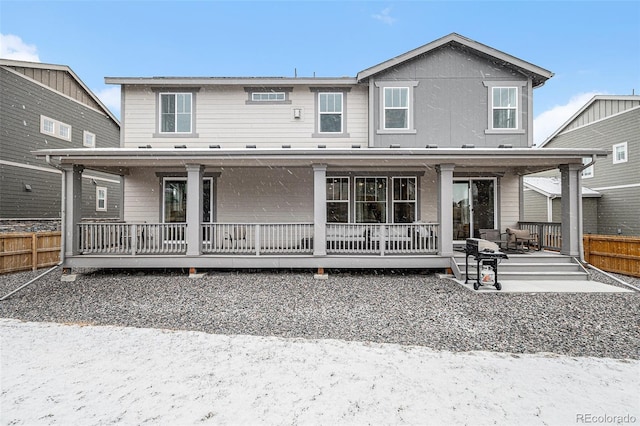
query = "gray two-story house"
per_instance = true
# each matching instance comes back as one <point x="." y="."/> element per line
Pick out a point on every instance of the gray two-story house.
<point x="612" y="194"/>
<point x="392" y="168"/>
<point x="46" y="106"/>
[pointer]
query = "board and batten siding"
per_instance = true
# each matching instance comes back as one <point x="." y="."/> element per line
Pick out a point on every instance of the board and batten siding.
<point x="223" y="117"/>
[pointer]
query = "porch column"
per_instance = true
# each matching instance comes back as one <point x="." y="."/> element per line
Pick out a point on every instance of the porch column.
<point x="194" y="209"/>
<point x="71" y="206"/>
<point x="445" y="208"/>
<point x="319" y="209"/>
<point x="571" y="206"/>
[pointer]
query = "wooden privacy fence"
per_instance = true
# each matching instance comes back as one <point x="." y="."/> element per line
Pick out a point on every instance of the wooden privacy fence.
<point x="613" y="253"/>
<point x="29" y="250"/>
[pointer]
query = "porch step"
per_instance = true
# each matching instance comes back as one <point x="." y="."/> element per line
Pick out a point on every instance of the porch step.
<point x="531" y="267"/>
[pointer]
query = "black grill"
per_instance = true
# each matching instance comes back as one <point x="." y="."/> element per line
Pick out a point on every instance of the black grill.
<point x="487" y="254"/>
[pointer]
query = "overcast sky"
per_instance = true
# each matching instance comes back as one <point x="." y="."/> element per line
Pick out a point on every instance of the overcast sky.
<point x="592" y="47"/>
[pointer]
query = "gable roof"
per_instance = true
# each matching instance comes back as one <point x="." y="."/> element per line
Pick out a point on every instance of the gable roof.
<point x="10" y="63"/>
<point x="537" y="74"/>
<point x="552" y="187"/>
<point x="586" y="106"/>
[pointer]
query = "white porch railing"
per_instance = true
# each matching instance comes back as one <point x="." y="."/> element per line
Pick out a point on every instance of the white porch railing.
<point x="132" y="238"/>
<point x="549" y="233"/>
<point x="254" y="238"/>
<point x="397" y="238"/>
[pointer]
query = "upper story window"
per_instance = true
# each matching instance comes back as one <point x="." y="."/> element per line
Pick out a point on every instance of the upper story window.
<point x="268" y="95"/>
<point x="55" y="128"/>
<point x="88" y="139"/>
<point x="175" y="112"/>
<point x="330" y="110"/>
<point x="505" y="107"/>
<point x="620" y="154"/>
<point x="396" y="108"/>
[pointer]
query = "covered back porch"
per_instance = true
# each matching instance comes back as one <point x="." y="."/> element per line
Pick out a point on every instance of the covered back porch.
<point x="310" y="237"/>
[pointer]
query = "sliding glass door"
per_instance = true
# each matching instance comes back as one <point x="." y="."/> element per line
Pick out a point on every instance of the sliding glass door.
<point x="474" y="207"/>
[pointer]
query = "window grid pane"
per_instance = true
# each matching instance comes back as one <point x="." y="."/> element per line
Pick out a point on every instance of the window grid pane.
<point x="330" y="109"/>
<point x="505" y="107"/>
<point x="175" y="112"/>
<point x="371" y="200"/>
<point x="396" y="113"/>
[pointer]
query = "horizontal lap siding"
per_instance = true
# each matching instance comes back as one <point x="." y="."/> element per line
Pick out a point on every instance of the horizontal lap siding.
<point x="535" y="206"/>
<point x="224" y="118"/>
<point x="142" y="196"/>
<point x="265" y="195"/>
<point x="509" y="201"/>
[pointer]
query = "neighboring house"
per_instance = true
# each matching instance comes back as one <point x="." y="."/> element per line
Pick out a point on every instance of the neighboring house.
<point x="45" y="106"/>
<point x="542" y="196"/>
<point x="392" y="168"/>
<point x="610" y="123"/>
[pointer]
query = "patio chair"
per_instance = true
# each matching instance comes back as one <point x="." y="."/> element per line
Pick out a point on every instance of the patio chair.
<point x="519" y="238"/>
<point x="495" y="236"/>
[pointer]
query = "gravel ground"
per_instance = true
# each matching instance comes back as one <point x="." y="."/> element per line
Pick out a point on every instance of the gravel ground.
<point x="403" y="307"/>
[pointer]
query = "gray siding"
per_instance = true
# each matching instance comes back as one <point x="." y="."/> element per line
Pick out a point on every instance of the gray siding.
<point x="535" y="206"/>
<point x="589" y="215"/>
<point x="22" y="102"/>
<point x="451" y="101"/>
<point x="619" y="183"/>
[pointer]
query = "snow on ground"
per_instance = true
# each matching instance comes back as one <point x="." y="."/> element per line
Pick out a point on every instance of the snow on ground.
<point x="74" y="374"/>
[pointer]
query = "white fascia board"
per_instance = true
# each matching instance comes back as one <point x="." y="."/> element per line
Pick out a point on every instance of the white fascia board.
<point x="231" y="81"/>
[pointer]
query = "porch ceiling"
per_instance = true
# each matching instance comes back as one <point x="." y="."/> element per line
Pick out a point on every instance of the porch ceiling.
<point x="120" y="160"/>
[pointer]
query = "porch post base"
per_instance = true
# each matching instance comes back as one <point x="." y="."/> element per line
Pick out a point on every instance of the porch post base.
<point x="321" y="275"/>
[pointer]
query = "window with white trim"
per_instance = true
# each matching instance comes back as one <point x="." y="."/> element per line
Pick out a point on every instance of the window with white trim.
<point x="174" y="203"/>
<point x="268" y="96"/>
<point x="404" y="199"/>
<point x="338" y="199"/>
<point x="88" y="139"/>
<point x="176" y="112"/>
<point x="101" y="199"/>
<point x="504" y="106"/>
<point x="396" y="108"/>
<point x="588" y="172"/>
<point x="371" y="199"/>
<point x="330" y="112"/>
<point x="55" y="128"/>
<point x="620" y="153"/>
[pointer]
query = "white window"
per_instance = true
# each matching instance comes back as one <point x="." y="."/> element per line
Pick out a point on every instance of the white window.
<point x="330" y="112"/>
<point x="88" y="139"/>
<point x="174" y="204"/>
<point x="268" y="96"/>
<point x="396" y="108"/>
<point x="588" y="172"/>
<point x="101" y="199"/>
<point x="505" y="107"/>
<point x="175" y="112"/>
<point x="620" y="153"/>
<point x="338" y="199"/>
<point x="404" y="199"/>
<point x="55" y="128"/>
<point x="48" y="126"/>
<point x="371" y="200"/>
